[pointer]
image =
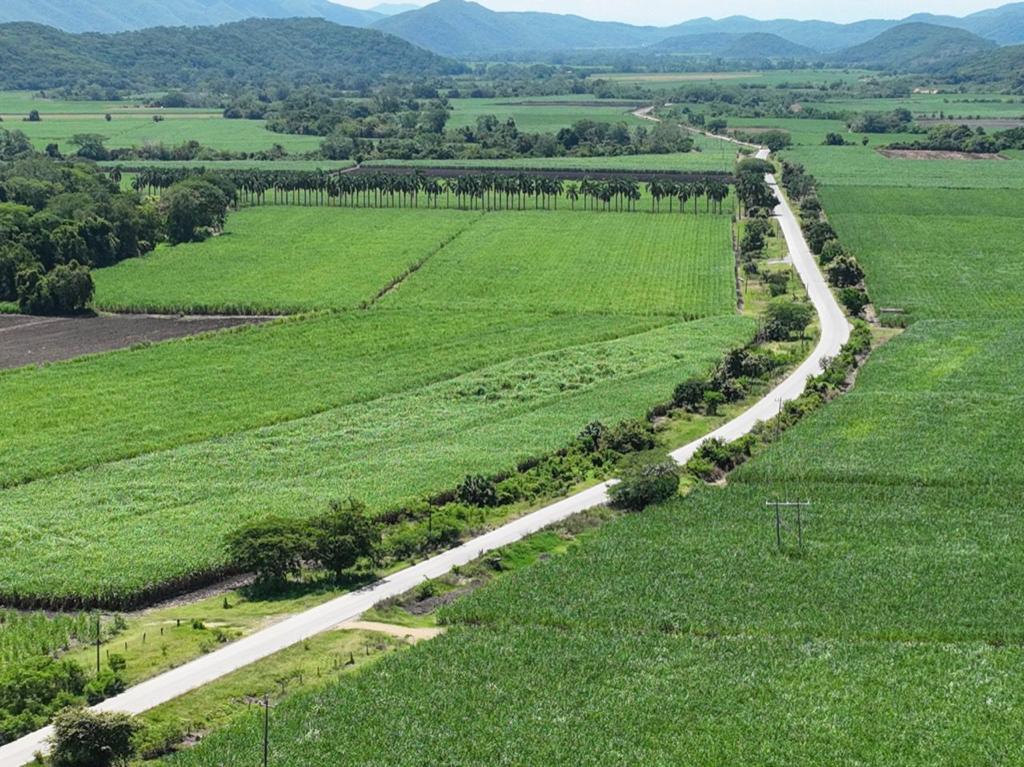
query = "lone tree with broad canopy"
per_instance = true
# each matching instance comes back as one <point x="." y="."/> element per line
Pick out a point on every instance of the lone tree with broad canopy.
<point x="272" y="548"/>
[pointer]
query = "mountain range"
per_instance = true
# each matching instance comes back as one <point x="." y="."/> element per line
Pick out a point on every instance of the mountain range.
<point x="461" y="28"/>
<point x="255" y="51"/>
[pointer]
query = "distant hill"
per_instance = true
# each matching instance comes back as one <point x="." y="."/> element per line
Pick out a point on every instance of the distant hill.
<point x="816" y="35"/>
<point x="297" y="51"/>
<point x="459" y="28"/>
<point x="121" y="15"/>
<point x="393" y="9"/>
<point x="750" y="46"/>
<point x="1004" y="25"/>
<point x="916" y="47"/>
<point x="1003" y="68"/>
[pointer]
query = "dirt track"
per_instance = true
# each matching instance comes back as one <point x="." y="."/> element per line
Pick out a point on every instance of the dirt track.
<point x="28" y="340"/>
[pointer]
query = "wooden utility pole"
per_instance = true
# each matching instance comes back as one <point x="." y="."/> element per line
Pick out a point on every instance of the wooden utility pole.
<point x="266" y="730"/>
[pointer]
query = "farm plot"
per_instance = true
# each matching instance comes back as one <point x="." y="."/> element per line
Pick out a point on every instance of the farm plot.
<point x="935" y="252"/>
<point x="282" y="259"/>
<point x="708" y="157"/>
<point x="211" y="131"/>
<point x="539" y="114"/>
<point x="666" y="264"/>
<point x="163" y="515"/>
<point x="110" y="407"/>
<point x="605" y="697"/>
<point x="863" y="166"/>
<point x="903" y="601"/>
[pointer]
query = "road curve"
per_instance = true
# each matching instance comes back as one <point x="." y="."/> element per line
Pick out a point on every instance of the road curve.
<point x="835" y="330"/>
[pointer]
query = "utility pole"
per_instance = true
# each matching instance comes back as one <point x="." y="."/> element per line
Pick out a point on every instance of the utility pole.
<point x="266" y="730"/>
<point x="97" y="644"/>
<point x="798" y="506"/>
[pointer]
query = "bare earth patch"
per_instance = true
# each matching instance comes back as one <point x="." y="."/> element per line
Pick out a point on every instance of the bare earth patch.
<point x="933" y="154"/>
<point x="28" y="340"/>
<point x="402" y="632"/>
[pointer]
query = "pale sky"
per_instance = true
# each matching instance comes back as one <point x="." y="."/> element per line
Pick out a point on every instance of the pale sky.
<point x="666" y="12"/>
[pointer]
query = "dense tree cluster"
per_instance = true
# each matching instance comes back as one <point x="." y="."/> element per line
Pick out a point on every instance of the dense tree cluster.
<point x="56" y="221"/>
<point x="276" y="548"/>
<point x="963" y="138"/>
<point x="60" y="219"/>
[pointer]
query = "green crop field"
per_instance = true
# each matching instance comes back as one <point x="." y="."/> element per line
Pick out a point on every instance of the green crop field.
<point x="539" y="114"/>
<point x="711" y="158"/>
<point x="860" y="166"/>
<point x="533" y="261"/>
<point x="967" y="241"/>
<point x="17" y="104"/>
<point x="340" y="257"/>
<point x="384" y="450"/>
<point x="283" y="259"/>
<point x="126" y="131"/>
<point x="587" y="318"/>
<point x="936" y="104"/>
<point x="811" y="132"/>
<point x="683" y="635"/>
<point x="774" y="78"/>
<point x="898" y="619"/>
<point x="25" y="635"/>
<point x="268" y="165"/>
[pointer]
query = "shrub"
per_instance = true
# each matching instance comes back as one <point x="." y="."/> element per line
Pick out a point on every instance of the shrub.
<point x="344" y="535"/>
<point x="629" y="436"/>
<point x="646" y="485"/>
<point x="592" y="436"/>
<point x="777" y="282"/>
<point x="477" y="490"/>
<point x="712" y="401"/>
<point x="690" y="393"/>
<point x="817" y="234"/>
<point x="845" y="272"/>
<point x="83" y="738"/>
<point x="830" y="251"/>
<point x="854" y="299"/>
<point x="105" y="685"/>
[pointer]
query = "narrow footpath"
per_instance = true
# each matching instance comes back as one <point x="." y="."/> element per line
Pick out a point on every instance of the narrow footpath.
<point x="835" y="330"/>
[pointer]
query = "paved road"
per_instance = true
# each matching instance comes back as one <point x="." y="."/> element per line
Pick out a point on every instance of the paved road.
<point x="834" y="332"/>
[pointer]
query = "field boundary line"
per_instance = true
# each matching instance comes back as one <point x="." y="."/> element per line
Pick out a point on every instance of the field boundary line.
<point x="396" y="282"/>
<point x="835" y="331"/>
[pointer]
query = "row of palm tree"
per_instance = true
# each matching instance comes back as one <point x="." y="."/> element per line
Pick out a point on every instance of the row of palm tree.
<point x="468" y="192"/>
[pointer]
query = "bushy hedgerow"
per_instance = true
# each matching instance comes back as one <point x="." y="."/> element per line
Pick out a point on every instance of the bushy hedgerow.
<point x="644" y="485"/>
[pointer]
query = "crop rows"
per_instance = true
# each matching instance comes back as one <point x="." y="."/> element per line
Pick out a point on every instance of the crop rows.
<point x="528" y="695"/>
<point x="968" y="242"/>
<point x="282" y="260"/>
<point x="126" y="519"/>
<point x="25" y="635"/>
<point x="863" y="166"/>
<point x="580" y="264"/>
<point x="105" y="408"/>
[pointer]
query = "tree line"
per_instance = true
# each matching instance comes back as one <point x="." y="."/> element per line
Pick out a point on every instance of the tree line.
<point x="478" y="191"/>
